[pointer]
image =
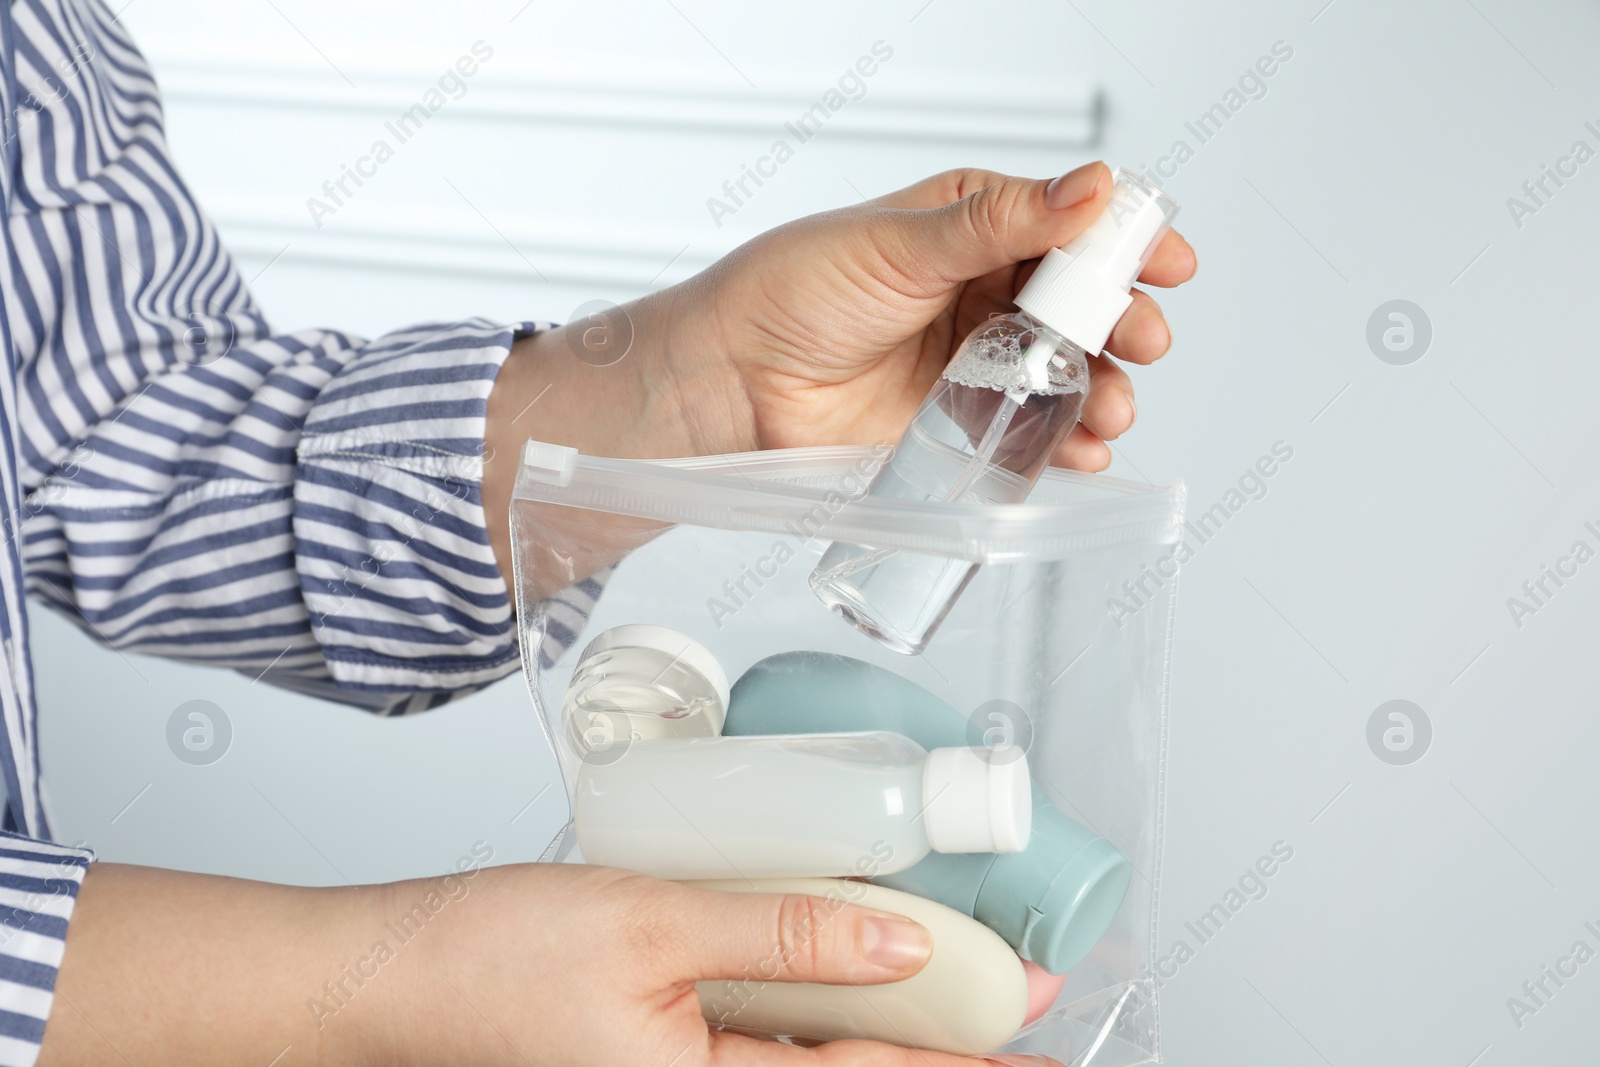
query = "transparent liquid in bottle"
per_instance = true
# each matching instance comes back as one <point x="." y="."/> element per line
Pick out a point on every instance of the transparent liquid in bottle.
<point x="1011" y="394"/>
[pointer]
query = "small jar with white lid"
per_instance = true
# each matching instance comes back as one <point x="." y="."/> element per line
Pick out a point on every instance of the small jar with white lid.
<point x="640" y="682"/>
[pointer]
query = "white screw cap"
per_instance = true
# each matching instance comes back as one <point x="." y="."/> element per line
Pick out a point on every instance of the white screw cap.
<point x="977" y="799"/>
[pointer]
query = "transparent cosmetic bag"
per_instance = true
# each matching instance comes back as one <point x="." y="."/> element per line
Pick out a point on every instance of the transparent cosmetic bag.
<point x="1059" y="646"/>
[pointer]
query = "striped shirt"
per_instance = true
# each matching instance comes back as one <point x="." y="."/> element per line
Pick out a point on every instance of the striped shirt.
<point x="180" y="480"/>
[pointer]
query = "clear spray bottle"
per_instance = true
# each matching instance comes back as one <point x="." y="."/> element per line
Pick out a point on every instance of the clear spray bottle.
<point x="1008" y="398"/>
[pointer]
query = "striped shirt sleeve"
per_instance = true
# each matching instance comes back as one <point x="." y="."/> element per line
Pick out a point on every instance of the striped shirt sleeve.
<point x="303" y="507"/>
<point x="39" y="885"/>
<point x="306" y="509"/>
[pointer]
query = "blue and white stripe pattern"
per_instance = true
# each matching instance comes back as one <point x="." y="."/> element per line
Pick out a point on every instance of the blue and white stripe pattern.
<point x="179" y="480"/>
<point x="38" y="887"/>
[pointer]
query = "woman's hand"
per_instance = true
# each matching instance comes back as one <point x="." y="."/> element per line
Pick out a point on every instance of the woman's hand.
<point x="835" y="327"/>
<point x="828" y="330"/>
<point x="529" y="965"/>
<point x="592" y="967"/>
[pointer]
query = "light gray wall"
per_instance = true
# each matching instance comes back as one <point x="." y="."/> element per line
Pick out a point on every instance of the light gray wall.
<point x="1376" y="167"/>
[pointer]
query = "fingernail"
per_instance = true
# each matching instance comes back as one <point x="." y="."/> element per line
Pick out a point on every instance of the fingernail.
<point x="896" y="943"/>
<point x="1133" y="409"/>
<point x="1075" y="186"/>
<point x="1024" y="1061"/>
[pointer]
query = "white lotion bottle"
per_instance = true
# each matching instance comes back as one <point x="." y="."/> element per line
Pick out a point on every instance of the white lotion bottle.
<point x="969" y="999"/>
<point x="1008" y="398"/>
<point x="794" y="806"/>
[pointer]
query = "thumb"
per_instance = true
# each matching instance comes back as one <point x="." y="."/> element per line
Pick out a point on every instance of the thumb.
<point x="1000" y="225"/>
<point x="795" y="937"/>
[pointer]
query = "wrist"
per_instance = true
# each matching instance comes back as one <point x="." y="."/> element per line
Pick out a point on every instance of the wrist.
<point x="648" y="379"/>
<point x="690" y="373"/>
<point x="358" y="1024"/>
<point x="448" y="967"/>
<point x="651" y="381"/>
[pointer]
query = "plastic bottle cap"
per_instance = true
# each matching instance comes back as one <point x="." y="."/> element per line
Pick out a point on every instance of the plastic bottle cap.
<point x="682" y="648"/>
<point x="977" y="799"/>
<point x="1081" y="289"/>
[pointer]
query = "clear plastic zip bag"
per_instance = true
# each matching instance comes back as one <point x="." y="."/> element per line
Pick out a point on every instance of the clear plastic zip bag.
<point x="1058" y="649"/>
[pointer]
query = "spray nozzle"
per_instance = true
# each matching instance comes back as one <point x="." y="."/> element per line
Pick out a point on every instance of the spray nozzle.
<point x="1081" y="289"/>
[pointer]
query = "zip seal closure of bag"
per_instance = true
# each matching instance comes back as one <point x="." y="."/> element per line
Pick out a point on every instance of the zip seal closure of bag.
<point x="775" y="491"/>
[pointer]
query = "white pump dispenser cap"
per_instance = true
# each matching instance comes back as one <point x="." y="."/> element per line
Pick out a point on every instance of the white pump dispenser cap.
<point x="977" y="799"/>
<point x="1080" y="290"/>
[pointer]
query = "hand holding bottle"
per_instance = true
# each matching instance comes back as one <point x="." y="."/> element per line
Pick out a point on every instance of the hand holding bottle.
<point x="827" y="330"/>
<point x="561" y="965"/>
<point x="527" y="965"/>
<point x="844" y="320"/>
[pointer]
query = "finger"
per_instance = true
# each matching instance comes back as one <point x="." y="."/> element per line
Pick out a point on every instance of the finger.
<point x="737" y="1050"/>
<point x="1141" y="335"/>
<point x="1172" y="263"/>
<point x="1083" y="450"/>
<point x="942" y="189"/>
<point x="1109" y="411"/>
<point x="998" y="225"/>
<point x="792" y="937"/>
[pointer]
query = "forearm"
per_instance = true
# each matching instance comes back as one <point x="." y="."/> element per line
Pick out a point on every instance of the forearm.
<point x="176" y="968"/>
<point x="667" y="396"/>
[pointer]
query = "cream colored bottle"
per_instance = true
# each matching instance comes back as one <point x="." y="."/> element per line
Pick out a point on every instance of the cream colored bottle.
<point x="970" y="999"/>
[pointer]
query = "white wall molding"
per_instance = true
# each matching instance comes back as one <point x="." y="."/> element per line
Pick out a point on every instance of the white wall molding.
<point x="525" y="250"/>
<point x="427" y="229"/>
<point x="676" y="100"/>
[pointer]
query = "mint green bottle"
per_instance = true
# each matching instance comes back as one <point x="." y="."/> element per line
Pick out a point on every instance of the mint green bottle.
<point x="1051" y="902"/>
